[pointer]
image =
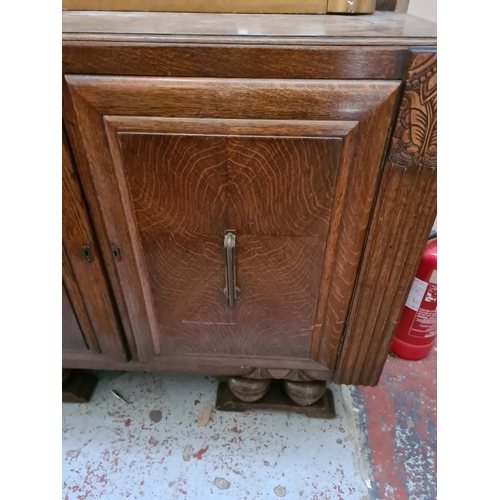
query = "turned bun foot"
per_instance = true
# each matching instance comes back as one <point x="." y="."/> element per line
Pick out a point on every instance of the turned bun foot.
<point x="304" y="393"/>
<point x="248" y="390"/>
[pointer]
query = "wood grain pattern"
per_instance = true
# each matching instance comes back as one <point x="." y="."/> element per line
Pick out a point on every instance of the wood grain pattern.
<point x="213" y="183"/>
<point x="332" y="242"/>
<point x="235" y="61"/>
<point x="364" y="172"/>
<point x="281" y="186"/>
<point x="232" y="98"/>
<point x="89" y="276"/>
<point x="115" y="223"/>
<point x="365" y="164"/>
<point x="176" y="183"/>
<point x="79" y="310"/>
<point x="225" y="127"/>
<point x="403" y="217"/>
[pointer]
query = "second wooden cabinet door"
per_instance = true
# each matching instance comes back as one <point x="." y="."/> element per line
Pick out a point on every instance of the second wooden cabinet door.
<point x="277" y="175"/>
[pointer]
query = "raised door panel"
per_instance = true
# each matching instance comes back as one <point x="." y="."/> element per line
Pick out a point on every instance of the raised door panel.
<point x="175" y="164"/>
<point x="90" y="328"/>
<point x="275" y="193"/>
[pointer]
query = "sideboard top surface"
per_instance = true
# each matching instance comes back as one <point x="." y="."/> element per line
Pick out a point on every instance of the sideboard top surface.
<point x="389" y="28"/>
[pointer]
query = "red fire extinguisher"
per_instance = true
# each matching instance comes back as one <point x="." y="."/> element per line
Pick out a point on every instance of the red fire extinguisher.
<point x="417" y="330"/>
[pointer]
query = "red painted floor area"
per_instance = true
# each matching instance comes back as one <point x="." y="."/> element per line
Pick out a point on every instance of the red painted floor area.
<point x="399" y="419"/>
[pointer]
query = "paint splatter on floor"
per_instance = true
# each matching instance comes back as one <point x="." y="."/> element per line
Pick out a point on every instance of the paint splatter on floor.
<point x="382" y="445"/>
<point x="399" y="417"/>
<point x="237" y="456"/>
<point x="199" y="454"/>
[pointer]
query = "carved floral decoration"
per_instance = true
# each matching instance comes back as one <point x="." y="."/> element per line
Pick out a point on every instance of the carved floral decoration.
<point x="414" y="141"/>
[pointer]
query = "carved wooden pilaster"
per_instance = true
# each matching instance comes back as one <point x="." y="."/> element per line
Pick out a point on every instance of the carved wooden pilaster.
<point x="403" y="216"/>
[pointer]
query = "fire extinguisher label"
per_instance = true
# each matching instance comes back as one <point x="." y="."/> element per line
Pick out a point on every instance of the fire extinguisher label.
<point x="416" y="294"/>
<point x="425" y="322"/>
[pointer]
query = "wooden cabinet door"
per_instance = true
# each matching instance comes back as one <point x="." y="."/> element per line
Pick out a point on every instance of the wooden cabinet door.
<point x="289" y="167"/>
<point x="90" y="331"/>
<point x="72" y="335"/>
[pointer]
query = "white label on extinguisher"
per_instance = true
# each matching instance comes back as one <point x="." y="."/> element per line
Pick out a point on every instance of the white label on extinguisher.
<point x="416" y="294"/>
<point x="425" y="322"/>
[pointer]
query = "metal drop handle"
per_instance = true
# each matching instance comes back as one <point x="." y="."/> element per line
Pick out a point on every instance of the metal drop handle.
<point x="231" y="291"/>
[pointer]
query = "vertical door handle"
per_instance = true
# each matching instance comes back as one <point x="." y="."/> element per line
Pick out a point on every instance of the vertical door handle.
<point x="231" y="291"/>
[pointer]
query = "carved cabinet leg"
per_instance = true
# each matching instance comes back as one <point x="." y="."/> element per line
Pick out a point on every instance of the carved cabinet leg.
<point x="248" y="390"/>
<point x="304" y="393"/>
<point x="77" y="386"/>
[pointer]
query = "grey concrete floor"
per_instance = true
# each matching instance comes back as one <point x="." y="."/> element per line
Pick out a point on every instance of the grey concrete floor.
<point x="154" y="449"/>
